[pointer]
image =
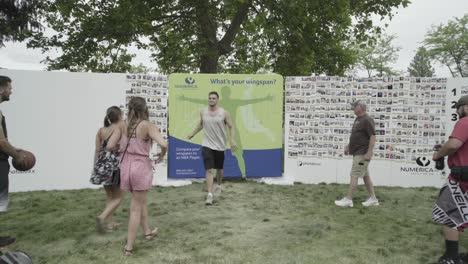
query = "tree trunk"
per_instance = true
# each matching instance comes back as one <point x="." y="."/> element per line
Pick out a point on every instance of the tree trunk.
<point x="459" y="67"/>
<point x="209" y="63"/>
<point x="207" y="35"/>
<point x="213" y="48"/>
<point x="450" y="69"/>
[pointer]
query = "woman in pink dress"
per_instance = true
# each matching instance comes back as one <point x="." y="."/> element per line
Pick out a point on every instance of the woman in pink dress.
<point x="136" y="168"/>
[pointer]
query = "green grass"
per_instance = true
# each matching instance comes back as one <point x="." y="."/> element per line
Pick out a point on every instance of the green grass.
<point x="249" y="223"/>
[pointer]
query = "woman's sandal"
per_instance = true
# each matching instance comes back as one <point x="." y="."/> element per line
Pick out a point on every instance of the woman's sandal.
<point x="150" y="236"/>
<point x="128" y="252"/>
<point x="113" y="226"/>
<point x="100" y="227"/>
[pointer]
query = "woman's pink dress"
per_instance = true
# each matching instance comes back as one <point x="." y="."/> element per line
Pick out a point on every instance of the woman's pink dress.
<point x="136" y="168"/>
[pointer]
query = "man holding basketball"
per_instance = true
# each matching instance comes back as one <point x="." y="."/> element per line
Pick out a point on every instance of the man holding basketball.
<point x="6" y="151"/>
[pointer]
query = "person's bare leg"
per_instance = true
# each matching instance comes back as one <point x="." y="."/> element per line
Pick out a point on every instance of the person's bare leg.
<point x="209" y="186"/>
<point x="369" y="186"/>
<point x="136" y="206"/>
<point x="209" y="181"/>
<point x="352" y="187"/>
<point x="219" y="181"/>
<point x="114" y="197"/>
<point x="117" y="196"/>
<point x="108" y="190"/>
<point x="450" y="233"/>
<point x="144" y="218"/>
<point x="219" y="176"/>
<point x="100" y="226"/>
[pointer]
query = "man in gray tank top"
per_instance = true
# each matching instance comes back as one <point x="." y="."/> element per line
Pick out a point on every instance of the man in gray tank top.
<point x="361" y="145"/>
<point x="213" y="121"/>
<point x="6" y="151"/>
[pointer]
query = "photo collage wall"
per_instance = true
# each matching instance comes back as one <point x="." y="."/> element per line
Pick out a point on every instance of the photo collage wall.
<point x="409" y="115"/>
<point x="153" y="88"/>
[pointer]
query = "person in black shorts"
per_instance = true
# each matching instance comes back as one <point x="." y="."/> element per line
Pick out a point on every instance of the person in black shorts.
<point x="213" y="121"/>
<point x="213" y="159"/>
<point x="6" y="151"/>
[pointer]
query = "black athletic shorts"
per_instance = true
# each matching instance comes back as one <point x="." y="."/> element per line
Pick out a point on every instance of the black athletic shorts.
<point x="4" y="170"/>
<point x="212" y="159"/>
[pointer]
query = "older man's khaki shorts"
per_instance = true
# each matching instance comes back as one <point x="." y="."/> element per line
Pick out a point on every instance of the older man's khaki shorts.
<point x="360" y="166"/>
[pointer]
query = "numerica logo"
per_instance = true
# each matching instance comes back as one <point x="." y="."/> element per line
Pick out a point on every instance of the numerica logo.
<point x="189" y="83"/>
<point x="22" y="172"/>
<point x="423" y="163"/>
<point x="189" y="80"/>
<point x="306" y="163"/>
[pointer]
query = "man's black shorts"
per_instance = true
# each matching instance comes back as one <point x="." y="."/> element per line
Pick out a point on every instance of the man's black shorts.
<point x="212" y="159"/>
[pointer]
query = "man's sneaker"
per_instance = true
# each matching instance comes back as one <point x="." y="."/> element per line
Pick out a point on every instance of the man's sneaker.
<point x="446" y="260"/>
<point x="217" y="191"/>
<point x="7" y="241"/>
<point x="209" y="199"/>
<point x="463" y="257"/>
<point x="371" y="202"/>
<point x="345" y="202"/>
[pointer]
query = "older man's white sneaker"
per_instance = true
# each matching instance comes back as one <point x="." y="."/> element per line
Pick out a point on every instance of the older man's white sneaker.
<point x="371" y="202"/>
<point x="345" y="202"/>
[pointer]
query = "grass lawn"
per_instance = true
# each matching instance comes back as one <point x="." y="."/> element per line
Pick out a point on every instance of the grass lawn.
<point x="249" y="223"/>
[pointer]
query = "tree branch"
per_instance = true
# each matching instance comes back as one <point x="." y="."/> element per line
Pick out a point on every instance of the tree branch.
<point x="208" y="28"/>
<point x="450" y="69"/>
<point x="224" y="46"/>
<point x="159" y="26"/>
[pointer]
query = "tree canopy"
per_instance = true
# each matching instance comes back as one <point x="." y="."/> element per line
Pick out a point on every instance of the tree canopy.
<point x="289" y="37"/>
<point x="17" y="17"/>
<point x="420" y="66"/>
<point x="378" y="56"/>
<point x="448" y="44"/>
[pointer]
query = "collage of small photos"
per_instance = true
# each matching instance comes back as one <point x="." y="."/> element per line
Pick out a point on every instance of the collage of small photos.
<point x="409" y="115"/>
<point x="154" y="88"/>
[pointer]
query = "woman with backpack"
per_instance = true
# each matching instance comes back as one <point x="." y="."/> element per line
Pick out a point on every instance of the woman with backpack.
<point x="106" y="167"/>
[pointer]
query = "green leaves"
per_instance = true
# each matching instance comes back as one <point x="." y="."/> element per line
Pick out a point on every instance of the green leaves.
<point x="378" y="55"/>
<point x="18" y="18"/>
<point x="293" y="37"/>
<point x="449" y="45"/>
<point x="421" y="64"/>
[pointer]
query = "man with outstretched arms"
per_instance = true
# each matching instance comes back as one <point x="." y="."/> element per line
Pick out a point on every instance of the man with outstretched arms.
<point x="213" y="122"/>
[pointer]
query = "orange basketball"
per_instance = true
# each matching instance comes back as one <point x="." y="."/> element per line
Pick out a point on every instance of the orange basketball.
<point x="30" y="161"/>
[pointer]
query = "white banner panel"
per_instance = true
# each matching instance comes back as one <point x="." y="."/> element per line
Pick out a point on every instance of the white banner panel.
<point x="56" y="116"/>
<point x="411" y="116"/>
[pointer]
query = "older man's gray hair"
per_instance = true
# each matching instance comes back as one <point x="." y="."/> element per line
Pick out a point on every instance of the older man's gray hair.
<point x="360" y="103"/>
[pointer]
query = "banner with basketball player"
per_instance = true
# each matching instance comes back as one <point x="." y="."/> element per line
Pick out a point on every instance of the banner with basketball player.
<point x="255" y="104"/>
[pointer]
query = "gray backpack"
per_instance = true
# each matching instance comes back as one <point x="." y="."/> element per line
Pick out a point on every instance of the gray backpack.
<point x="15" y="257"/>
